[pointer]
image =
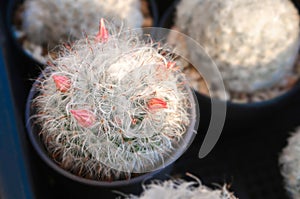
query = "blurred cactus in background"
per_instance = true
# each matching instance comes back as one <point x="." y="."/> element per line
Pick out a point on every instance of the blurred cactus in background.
<point x="41" y="25"/>
<point x="254" y="43"/>
<point x="181" y="189"/>
<point x="289" y="161"/>
<point x="49" y="22"/>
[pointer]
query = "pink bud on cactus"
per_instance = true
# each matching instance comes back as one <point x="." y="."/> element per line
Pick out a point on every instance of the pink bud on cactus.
<point x="102" y="35"/>
<point x="171" y="65"/>
<point x="85" y="118"/>
<point x="62" y="83"/>
<point x="156" y="104"/>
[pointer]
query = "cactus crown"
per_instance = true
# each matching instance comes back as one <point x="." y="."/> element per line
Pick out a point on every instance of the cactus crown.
<point x="112" y="105"/>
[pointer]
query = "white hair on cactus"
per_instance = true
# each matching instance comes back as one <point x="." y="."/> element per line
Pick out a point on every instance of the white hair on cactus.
<point x="112" y="105"/>
<point x="289" y="161"/>
<point x="181" y="189"/>
<point x="254" y="43"/>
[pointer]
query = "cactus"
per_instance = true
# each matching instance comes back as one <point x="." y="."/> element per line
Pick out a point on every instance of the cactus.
<point x="289" y="161"/>
<point x="254" y="43"/>
<point x="47" y="23"/>
<point x="181" y="189"/>
<point x="111" y="105"/>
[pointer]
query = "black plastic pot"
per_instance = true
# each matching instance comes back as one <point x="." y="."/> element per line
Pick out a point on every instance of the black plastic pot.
<point x="35" y="66"/>
<point x="131" y="186"/>
<point x="244" y="117"/>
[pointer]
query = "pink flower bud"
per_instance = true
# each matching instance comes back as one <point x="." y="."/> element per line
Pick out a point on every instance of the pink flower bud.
<point x="62" y="83"/>
<point x="171" y="65"/>
<point x="102" y="35"/>
<point x="84" y="118"/>
<point x="155" y="104"/>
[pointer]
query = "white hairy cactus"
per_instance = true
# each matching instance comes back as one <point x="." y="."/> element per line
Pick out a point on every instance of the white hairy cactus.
<point x="254" y="43"/>
<point x="181" y="189"/>
<point x="49" y="22"/>
<point x="289" y="161"/>
<point x="112" y="105"/>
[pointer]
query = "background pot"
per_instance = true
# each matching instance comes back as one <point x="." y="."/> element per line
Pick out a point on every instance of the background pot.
<point x="244" y="117"/>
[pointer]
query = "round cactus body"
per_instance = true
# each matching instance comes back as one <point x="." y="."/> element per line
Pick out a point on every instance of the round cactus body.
<point x="289" y="161"/>
<point x="49" y="22"/>
<point x="180" y="189"/>
<point x="254" y="43"/>
<point x="112" y="105"/>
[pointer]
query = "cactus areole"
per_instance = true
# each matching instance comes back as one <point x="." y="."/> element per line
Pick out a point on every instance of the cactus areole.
<point x="112" y="105"/>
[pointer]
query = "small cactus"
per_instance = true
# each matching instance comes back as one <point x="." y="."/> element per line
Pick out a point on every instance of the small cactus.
<point x="289" y="161"/>
<point x="111" y="105"/>
<point x="254" y="43"/>
<point x="47" y="23"/>
<point x="181" y="189"/>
